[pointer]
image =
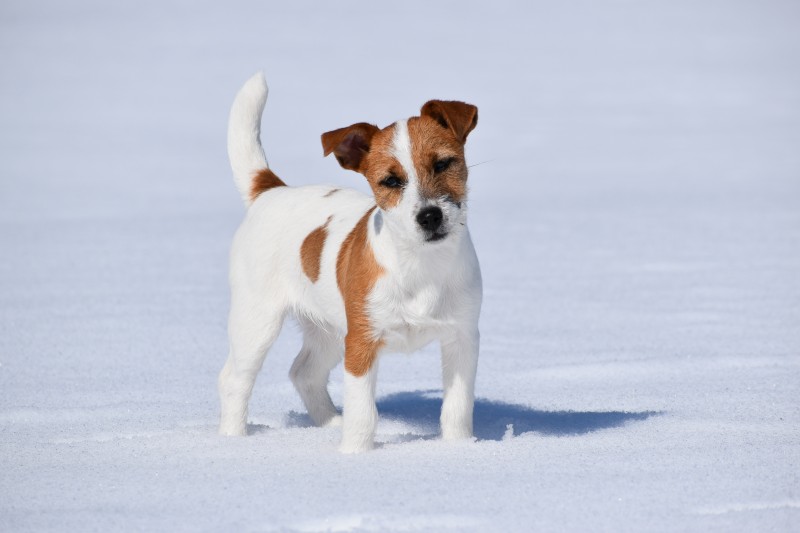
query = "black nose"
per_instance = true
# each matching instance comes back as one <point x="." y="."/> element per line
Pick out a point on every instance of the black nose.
<point x="430" y="218"/>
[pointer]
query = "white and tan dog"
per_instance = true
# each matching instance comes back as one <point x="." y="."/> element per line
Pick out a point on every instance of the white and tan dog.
<point x="362" y="275"/>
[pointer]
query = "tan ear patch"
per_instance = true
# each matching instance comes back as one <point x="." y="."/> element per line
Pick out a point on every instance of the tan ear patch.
<point x="356" y="274"/>
<point x="459" y="117"/>
<point x="264" y="180"/>
<point x="349" y="145"/>
<point x="311" y="251"/>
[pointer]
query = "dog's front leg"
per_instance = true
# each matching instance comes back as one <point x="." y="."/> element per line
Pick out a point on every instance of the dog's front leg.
<point x="459" y="364"/>
<point x="359" y="414"/>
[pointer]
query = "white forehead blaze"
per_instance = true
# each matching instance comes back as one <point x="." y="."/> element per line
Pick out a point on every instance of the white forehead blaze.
<point x="401" y="150"/>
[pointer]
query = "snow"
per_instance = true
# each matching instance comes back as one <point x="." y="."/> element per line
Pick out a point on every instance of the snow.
<point x="635" y="205"/>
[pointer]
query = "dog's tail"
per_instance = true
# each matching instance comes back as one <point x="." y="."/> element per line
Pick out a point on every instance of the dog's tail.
<point x="251" y="172"/>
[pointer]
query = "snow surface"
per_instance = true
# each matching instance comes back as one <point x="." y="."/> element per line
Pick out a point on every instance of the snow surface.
<point x="636" y="210"/>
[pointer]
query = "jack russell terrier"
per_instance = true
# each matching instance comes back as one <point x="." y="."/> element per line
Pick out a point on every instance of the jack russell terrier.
<point x="362" y="275"/>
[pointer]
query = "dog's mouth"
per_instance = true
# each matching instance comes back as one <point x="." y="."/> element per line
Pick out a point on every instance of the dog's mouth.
<point x="436" y="237"/>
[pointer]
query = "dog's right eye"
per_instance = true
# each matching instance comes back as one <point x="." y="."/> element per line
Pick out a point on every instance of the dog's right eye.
<point x="393" y="182"/>
<point x="443" y="164"/>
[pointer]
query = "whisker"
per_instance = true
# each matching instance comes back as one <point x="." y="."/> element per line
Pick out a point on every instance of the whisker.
<point x="482" y="162"/>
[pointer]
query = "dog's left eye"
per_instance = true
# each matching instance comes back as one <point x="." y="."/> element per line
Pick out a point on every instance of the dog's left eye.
<point x="442" y="165"/>
<point x="393" y="182"/>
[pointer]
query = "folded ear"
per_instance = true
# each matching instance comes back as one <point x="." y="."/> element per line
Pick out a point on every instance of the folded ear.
<point x="459" y="117"/>
<point x="349" y="144"/>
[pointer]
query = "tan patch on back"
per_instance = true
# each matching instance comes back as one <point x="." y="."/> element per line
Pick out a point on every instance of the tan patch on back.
<point x="356" y="274"/>
<point x="430" y="143"/>
<point x="311" y="251"/>
<point x="264" y="180"/>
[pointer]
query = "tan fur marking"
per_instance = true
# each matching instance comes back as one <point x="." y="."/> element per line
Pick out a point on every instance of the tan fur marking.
<point x="311" y="251"/>
<point x="459" y="117"/>
<point x="430" y="143"/>
<point x="356" y="274"/>
<point x="264" y="180"/>
<point x="381" y="163"/>
<point x="438" y="133"/>
<point x="349" y="144"/>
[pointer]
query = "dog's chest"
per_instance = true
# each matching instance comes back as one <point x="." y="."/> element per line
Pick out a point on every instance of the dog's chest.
<point x="408" y="318"/>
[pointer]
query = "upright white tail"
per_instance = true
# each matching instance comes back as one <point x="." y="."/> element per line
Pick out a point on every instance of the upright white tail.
<point x="244" y="134"/>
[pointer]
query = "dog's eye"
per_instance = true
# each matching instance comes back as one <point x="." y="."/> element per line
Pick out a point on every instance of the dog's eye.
<point x="393" y="182"/>
<point x="442" y="164"/>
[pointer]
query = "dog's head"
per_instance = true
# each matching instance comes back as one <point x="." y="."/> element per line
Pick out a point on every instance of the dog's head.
<point x="416" y="167"/>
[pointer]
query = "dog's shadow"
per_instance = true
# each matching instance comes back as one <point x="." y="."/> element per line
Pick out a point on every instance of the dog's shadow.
<point x="492" y="419"/>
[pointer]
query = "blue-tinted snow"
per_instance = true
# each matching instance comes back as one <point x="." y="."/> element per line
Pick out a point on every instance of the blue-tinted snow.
<point x="636" y="212"/>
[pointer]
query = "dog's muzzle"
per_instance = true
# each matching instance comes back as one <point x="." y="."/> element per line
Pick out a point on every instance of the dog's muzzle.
<point x="430" y="220"/>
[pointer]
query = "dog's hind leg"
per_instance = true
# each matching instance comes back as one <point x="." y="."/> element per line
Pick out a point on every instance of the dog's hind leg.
<point x="321" y="352"/>
<point x="253" y="327"/>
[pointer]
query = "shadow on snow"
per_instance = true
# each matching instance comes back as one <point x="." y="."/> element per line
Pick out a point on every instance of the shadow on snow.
<point x="491" y="418"/>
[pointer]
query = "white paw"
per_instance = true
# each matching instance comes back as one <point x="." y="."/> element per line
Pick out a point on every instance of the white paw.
<point x="456" y="433"/>
<point x="233" y="430"/>
<point x="334" y="422"/>
<point x="353" y="447"/>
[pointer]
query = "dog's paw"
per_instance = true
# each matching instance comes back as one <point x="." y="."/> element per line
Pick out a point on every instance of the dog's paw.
<point x="232" y="432"/>
<point x="353" y="448"/>
<point x="456" y="433"/>
<point x="334" y="422"/>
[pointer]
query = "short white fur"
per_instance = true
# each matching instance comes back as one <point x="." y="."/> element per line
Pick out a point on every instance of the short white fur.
<point x="244" y="134"/>
<point x="427" y="292"/>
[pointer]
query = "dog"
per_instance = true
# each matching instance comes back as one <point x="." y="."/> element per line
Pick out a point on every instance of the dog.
<point x="362" y="275"/>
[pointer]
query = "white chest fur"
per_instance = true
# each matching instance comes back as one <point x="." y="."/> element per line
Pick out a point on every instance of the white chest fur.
<point x="408" y="320"/>
<point x="424" y="296"/>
